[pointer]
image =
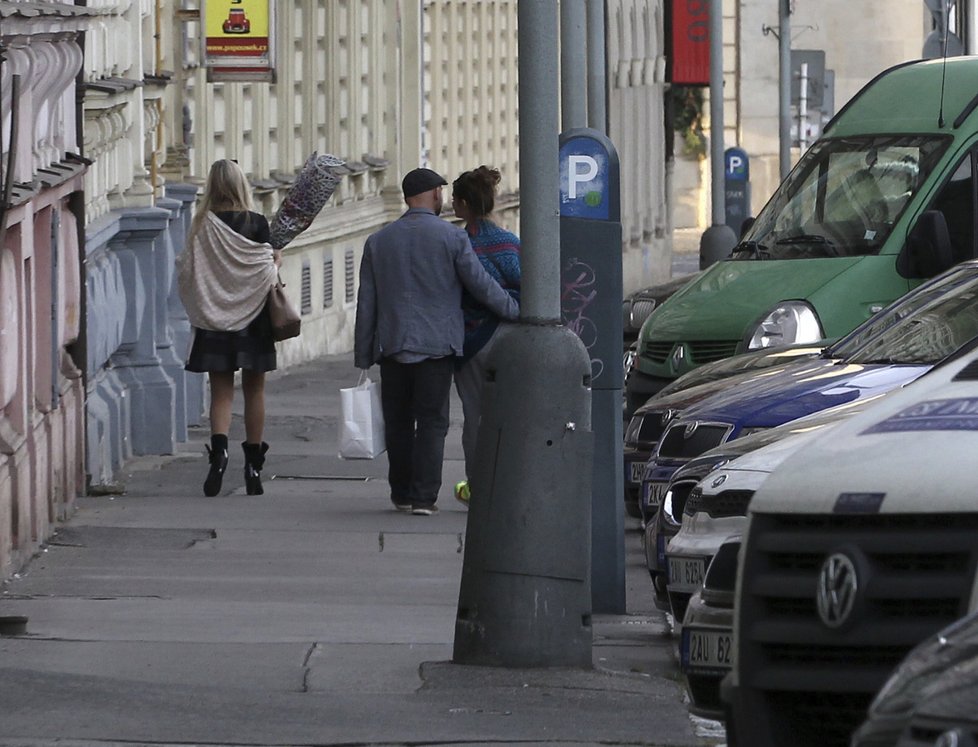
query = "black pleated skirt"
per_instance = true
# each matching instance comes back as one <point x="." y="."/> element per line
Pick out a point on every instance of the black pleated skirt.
<point x="252" y="348"/>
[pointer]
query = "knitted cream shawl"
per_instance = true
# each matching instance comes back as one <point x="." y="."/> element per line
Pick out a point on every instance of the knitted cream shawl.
<point x="223" y="277"/>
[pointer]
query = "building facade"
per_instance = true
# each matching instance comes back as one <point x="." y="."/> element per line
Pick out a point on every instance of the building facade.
<point x="41" y="305"/>
<point x="859" y="41"/>
<point x="116" y="126"/>
<point x="110" y="122"/>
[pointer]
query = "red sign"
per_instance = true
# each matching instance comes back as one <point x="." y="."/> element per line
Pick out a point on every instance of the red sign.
<point x="691" y="42"/>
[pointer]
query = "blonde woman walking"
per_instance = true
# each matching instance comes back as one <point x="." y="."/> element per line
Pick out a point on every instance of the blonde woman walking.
<point x="224" y="275"/>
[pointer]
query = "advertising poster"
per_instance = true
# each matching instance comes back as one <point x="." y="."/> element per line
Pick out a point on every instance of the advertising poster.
<point x="688" y="43"/>
<point x="238" y="40"/>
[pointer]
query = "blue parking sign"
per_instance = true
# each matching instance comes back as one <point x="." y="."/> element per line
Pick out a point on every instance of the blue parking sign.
<point x="589" y="177"/>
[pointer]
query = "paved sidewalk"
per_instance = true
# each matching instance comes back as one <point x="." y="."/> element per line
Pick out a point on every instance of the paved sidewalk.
<point x="686" y="251"/>
<point x="312" y="615"/>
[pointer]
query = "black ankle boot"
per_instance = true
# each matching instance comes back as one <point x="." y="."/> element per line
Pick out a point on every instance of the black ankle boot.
<point x="217" y="455"/>
<point x="254" y="461"/>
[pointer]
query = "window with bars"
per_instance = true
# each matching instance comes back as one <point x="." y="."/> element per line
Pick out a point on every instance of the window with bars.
<point x="306" y="307"/>
<point x="327" y="282"/>
<point x="348" y="274"/>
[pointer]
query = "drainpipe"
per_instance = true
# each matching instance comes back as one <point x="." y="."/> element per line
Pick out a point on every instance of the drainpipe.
<point x="154" y="163"/>
<point x="8" y="176"/>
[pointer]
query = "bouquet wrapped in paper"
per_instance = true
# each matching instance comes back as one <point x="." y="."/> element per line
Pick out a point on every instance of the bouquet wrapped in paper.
<point x="313" y="186"/>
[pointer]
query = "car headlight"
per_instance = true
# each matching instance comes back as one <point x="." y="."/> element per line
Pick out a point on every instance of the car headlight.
<point x="667" y="507"/>
<point x="672" y="509"/>
<point x="635" y="311"/>
<point x="787" y="323"/>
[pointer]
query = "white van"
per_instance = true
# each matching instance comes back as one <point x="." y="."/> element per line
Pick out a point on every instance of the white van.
<point x="858" y="547"/>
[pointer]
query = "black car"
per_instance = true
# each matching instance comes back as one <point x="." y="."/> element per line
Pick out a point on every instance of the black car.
<point x="944" y="663"/>
<point x="637" y="306"/>
<point x="641" y="435"/>
<point x="947" y="715"/>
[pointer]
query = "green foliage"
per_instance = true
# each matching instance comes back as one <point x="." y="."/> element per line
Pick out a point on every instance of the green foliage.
<point x="688" y="119"/>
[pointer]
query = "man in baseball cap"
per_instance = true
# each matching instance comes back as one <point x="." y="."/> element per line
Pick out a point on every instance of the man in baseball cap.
<point x="409" y="320"/>
<point x="421" y="180"/>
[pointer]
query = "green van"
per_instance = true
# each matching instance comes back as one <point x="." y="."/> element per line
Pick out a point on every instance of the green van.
<point x="884" y="199"/>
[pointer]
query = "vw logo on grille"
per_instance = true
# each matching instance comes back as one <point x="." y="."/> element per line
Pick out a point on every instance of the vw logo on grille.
<point x="690" y="429"/>
<point x="837" y="587"/>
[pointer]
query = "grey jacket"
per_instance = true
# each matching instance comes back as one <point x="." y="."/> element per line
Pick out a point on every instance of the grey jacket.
<point x="411" y="280"/>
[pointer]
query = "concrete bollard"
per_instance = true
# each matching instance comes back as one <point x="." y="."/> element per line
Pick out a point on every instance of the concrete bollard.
<point x="715" y="244"/>
<point x="525" y="596"/>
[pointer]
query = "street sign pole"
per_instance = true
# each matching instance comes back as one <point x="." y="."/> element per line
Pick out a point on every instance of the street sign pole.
<point x="525" y="594"/>
<point x="718" y="239"/>
<point x="597" y="113"/>
<point x="784" y="87"/>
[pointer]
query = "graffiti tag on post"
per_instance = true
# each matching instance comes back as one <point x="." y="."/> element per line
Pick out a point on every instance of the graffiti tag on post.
<point x="577" y="293"/>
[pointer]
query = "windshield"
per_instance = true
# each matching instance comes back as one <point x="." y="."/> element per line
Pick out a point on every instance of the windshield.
<point x="842" y="199"/>
<point x="930" y="334"/>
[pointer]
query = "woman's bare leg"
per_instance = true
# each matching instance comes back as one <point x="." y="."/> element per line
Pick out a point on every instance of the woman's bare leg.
<point x="222" y="395"/>
<point x="253" y="386"/>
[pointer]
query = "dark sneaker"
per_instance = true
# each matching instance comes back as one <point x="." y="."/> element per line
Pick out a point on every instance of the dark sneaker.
<point x="424" y="510"/>
<point x="405" y="507"/>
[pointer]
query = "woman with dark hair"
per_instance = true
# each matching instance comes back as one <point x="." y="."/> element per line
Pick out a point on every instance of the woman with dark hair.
<point x="225" y="274"/>
<point x="473" y="198"/>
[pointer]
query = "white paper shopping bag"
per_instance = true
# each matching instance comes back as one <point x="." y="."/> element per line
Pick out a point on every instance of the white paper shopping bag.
<point x="361" y="420"/>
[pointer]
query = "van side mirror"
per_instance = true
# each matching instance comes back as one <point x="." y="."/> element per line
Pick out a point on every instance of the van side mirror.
<point x="745" y="226"/>
<point x="928" y="251"/>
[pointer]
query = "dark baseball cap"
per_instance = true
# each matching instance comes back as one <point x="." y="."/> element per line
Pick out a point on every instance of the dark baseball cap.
<point x="421" y="180"/>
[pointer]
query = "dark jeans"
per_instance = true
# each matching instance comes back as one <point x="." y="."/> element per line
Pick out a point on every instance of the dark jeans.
<point x="415" y="402"/>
